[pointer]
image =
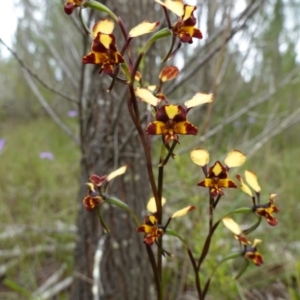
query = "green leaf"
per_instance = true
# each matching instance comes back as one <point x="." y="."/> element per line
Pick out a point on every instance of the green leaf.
<point x="17" y="288"/>
<point x="99" y="6"/>
<point x="117" y="202"/>
<point x="102" y="222"/>
<point x="157" y="36"/>
<point x="242" y="270"/>
<point x="174" y="233"/>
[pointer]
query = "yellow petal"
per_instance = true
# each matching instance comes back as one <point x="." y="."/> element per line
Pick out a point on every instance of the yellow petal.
<point x="217" y="169"/>
<point x="235" y="158"/>
<point x="244" y="187"/>
<point x="151" y="205"/>
<point x="182" y="212"/>
<point x="172" y="111"/>
<point x="200" y="157"/>
<point x="104" y="26"/>
<point x="251" y="179"/>
<point x="151" y="88"/>
<point x="91" y="186"/>
<point x="188" y="11"/>
<point x="106" y="40"/>
<point x="175" y="6"/>
<point x="199" y="99"/>
<point x="116" y="173"/>
<point x="256" y="242"/>
<point x="232" y="226"/>
<point x="143" y="28"/>
<point x="146" y="96"/>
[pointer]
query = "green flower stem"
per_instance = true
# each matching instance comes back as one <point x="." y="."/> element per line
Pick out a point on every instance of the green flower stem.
<point x="241" y="210"/>
<point x="156" y="36"/>
<point x="170" y="50"/>
<point x="99" y="6"/>
<point x="85" y="27"/>
<point x="253" y="227"/>
<point x="117" y="202"/>
<point x="174" y="233"/>
<point x="102" y="222"/>
<point x="243" y="269"/>
<point x="126" y="71"/>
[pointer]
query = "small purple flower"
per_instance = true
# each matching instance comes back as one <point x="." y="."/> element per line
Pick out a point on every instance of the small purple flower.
<point x="72" y="113"/>
<point x="46" y="155"/>
<point x="2" y="143"/>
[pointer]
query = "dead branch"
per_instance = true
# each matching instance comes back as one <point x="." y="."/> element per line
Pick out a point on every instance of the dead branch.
<point x="53" y="279"/>
<point x="48" y="108"/>
<point x="34" y="75"/>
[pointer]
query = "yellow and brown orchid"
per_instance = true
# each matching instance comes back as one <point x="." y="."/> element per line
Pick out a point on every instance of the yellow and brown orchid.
<point x="94" y="195"/>
<point x="230" y="224"/>
<point x="70" y="5"/>
<point x="250" y="252"/>
<point x="93" y="198"/>
<point x="184" y="28"/>
<point x="155" y="91"/>
<point x="266" y="210"/>
<point x="217" y="179"/>
<point x="170" y="119"/>
<point x="104" y="50"/>
<point x="262" y="210"/>
<point x="154" y="231"/>
<point x="217" y="175"/>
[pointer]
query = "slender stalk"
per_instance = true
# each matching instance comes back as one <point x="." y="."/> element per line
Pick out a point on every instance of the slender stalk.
<point x="206" y="287"/>
<point x="159" y="216"/>
<point x="207" y="244"/>
<point x="167" y="16"/>
<point x="197" y="277"/>
<point x="136" y="118"/>
<point x="154" y="269"/>
<point x="123" y="29"/>
<point x="215" y="203"/>
<point x="171" y="149"/>
<point x="211" y="212"/>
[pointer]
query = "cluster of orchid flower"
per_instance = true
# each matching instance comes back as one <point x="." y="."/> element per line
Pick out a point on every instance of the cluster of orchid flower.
<point x="170" y="121"/>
